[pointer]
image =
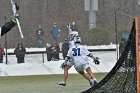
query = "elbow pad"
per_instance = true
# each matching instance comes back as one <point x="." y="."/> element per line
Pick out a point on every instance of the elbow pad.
<point x="90" y="55"/>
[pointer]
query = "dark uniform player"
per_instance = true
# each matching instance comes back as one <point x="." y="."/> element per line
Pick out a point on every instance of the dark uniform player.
<point x="7" y="27"/>
<point x="65" y="48"/>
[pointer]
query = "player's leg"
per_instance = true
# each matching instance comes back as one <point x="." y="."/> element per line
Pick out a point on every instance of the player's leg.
<point x="69" y="64"/>
<point x="91" y="74"/>
<point x="92" y="80"/>
<point x="85" y="75"/>
<point x="65" y="76"/>
<point x="80" y="70"/>
<point x="66" y="73"/>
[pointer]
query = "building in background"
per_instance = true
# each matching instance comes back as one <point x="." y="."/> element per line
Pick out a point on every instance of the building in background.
<point x="91" y="6"/>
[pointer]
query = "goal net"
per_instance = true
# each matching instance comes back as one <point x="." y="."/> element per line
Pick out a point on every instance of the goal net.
<point x="122" y="78"/>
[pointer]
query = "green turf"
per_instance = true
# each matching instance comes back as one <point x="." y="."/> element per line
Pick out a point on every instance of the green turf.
<point x="44" y="84"/>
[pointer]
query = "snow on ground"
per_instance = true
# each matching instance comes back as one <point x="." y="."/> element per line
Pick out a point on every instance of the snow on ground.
<point x="111" y="46"/>
<point x="34" y="63"/>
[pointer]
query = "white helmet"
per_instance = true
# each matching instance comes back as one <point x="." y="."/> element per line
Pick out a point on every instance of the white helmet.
<point x="72" y="35"/>
<point x="77" y="39"/>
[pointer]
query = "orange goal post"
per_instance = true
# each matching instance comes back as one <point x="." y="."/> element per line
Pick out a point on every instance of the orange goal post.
<point x="137" y="55"/>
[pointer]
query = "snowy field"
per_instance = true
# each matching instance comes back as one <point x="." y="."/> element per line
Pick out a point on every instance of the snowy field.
<point x="34" y="63"/>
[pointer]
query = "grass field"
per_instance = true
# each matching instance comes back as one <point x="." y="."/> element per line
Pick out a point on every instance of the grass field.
<point x="45" y="84"/>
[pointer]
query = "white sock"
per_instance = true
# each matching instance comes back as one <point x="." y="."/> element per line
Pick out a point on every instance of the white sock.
<point x="91" y="80"/>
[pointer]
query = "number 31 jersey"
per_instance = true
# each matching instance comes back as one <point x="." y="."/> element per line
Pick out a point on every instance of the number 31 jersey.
<point x="79" y="54"/>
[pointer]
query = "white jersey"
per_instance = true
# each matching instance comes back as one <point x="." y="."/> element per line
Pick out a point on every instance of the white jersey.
<point x="79" y="54"/>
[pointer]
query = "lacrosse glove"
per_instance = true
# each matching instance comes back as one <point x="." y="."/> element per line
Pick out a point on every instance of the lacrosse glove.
<point x="62" y="66"/>
<point x="96" y="61"/>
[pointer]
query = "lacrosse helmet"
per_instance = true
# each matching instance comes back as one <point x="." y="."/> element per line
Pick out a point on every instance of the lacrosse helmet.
<point x="77" y="39"/>
<point x="73" y="34"/>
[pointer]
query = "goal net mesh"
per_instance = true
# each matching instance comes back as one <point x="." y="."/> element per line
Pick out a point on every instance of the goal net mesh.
<point x="122" y="78"/>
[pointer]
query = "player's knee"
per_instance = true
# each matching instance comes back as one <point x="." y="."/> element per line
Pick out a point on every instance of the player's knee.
<point x="88" y="70"/>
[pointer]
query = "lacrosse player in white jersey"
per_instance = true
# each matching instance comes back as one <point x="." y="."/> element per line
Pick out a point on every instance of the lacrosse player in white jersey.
<point x="80" y="56"/>
<point x="67" y="65"/>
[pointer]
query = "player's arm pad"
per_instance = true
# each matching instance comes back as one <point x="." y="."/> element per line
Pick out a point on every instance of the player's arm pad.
<point x="96" y="61"/>
<point x="90" y="55"/>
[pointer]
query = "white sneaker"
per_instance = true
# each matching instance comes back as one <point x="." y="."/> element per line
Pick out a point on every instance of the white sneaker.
<point x="62" y="83"/>
<point x="93" y="83"/>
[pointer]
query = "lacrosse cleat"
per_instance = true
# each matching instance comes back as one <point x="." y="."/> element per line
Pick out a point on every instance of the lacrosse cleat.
<point x="62" y="83"/>
<point x="93" y="83"/>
